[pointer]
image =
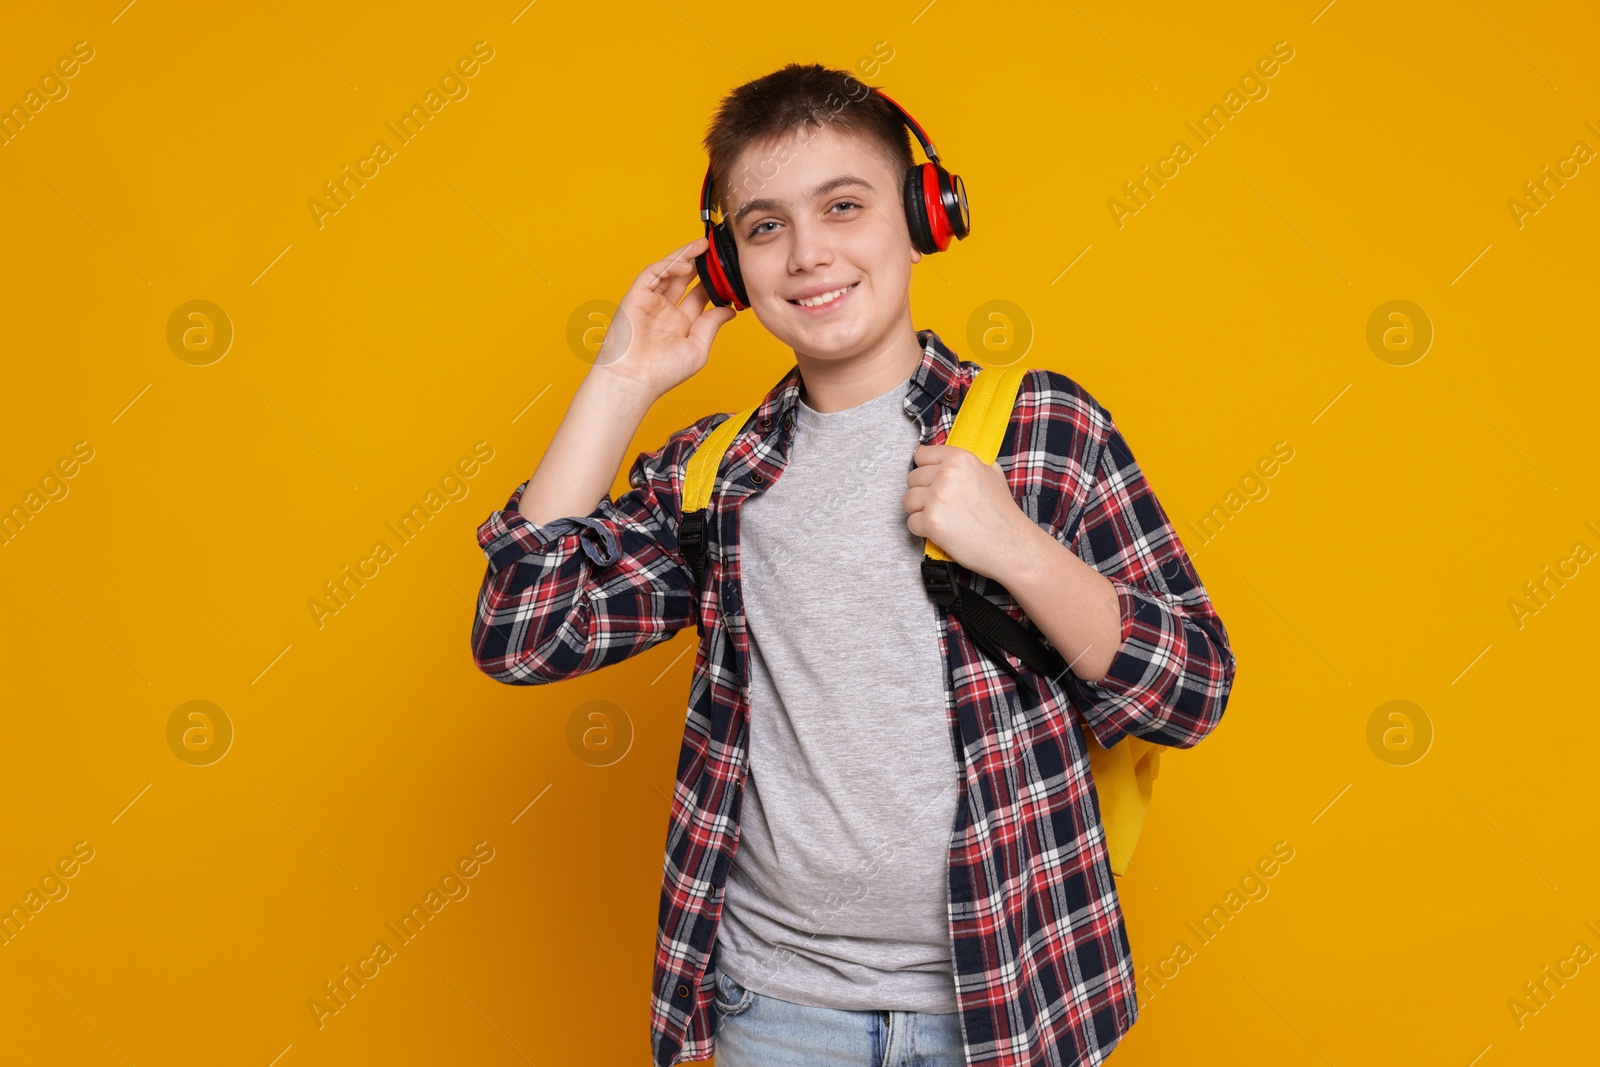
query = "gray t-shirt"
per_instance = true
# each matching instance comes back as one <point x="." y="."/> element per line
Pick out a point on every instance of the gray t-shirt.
<point x="838" y="894"/>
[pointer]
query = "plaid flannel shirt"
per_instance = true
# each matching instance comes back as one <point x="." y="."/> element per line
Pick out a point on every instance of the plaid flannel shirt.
<point x="1043" y="967"/>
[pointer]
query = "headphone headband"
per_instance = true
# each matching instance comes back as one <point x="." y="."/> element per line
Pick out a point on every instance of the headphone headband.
<point x="905" y="116"/>
<point x="916" y="129"/>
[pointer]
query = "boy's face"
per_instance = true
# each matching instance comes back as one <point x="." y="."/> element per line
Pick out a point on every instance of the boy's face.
<point x="794" y="241"/>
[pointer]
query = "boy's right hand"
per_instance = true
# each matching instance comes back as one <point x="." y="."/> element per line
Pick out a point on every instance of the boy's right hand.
<point x="656" y="342"/>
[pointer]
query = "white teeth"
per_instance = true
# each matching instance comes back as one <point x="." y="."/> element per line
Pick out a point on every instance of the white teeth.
<point x="815" y="301"/>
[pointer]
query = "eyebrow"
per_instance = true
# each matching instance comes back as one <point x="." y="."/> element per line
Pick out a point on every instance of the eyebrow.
<point x="767" y="204"/>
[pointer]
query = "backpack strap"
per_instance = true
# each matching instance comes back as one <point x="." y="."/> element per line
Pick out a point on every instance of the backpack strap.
<point x="699" y="479"/>
<point x="1124" y="775"/>
<point x="980" y="428"/>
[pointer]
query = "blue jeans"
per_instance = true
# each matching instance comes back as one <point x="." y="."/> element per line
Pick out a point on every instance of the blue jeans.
<point x="756" y="1030"/>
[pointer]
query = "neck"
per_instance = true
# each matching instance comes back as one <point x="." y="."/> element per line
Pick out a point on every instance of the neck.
<point x="840" y="382"/>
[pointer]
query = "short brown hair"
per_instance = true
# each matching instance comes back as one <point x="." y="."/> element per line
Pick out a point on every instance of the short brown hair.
<point x="765" y="110"/>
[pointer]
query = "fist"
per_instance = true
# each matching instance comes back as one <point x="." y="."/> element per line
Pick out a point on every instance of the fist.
<point x="966" y="508"/>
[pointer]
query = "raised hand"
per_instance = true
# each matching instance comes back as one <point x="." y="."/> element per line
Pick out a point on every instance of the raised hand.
<point x="662" y="333"/>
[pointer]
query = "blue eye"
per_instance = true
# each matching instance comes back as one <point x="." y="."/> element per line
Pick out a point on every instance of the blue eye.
<point x="757" y="231"/>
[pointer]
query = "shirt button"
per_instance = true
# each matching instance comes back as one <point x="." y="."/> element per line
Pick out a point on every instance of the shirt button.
<point x="757" y="477"/>
<point x="766" y="420"/>
<point x="683" y="991"/>
<point x="950" y="395"/>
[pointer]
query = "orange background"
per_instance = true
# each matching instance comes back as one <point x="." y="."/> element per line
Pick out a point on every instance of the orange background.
<point x="431" y="312"/>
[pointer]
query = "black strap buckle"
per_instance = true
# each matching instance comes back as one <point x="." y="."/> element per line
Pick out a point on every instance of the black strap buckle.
<point x="692" y="534"/>
<point x="939" y="577"/>
<point x="692" y="540"/>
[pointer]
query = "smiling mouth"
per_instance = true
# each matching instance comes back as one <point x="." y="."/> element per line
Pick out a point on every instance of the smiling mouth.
<point x="824" y="299"/>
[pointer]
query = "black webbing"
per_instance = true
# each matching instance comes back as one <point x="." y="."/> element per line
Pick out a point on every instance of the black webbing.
<point x="987" y="624"/>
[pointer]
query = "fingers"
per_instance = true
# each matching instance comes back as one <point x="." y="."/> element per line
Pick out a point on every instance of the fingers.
<point x="694" y="301"/>
<point x="677" y="279"/>
<point x="707" y="320"/>
<point x="651" y="277"/>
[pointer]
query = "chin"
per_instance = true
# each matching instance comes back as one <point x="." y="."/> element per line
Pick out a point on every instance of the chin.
<point x="834" y="339"/>
<point x="839" y="338"/>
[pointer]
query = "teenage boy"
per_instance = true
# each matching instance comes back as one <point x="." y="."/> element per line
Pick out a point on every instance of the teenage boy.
<point x="882" y="842"/>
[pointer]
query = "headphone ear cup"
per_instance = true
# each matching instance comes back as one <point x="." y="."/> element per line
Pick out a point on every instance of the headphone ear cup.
<point x="708" y="281"/>
<point x="728" y="259"/>
<point x="917" y="211"/>
<point x="718" y="267"/>
<point x="950" y="193"/>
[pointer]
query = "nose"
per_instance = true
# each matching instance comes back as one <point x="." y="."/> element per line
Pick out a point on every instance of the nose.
<point x="810" y="247"/>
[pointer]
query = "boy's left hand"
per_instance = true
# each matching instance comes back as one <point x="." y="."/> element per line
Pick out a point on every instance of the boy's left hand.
<point x="966" y="508"/>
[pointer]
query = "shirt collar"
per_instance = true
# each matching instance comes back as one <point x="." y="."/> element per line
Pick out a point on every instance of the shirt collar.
<point x="939" y="378"/>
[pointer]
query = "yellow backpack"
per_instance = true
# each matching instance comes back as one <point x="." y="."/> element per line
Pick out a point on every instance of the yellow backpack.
<point x="1124" y="775"/>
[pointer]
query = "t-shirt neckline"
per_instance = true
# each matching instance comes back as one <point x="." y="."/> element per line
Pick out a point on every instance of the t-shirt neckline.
<point x="862" y="413"/>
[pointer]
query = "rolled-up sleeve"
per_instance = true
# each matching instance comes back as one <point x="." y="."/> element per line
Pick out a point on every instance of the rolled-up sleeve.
<point x="1170" y="679"/>
<point x="566" y="597"/>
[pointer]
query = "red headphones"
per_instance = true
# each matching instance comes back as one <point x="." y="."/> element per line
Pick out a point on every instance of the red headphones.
<point x="936" y="211"/>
